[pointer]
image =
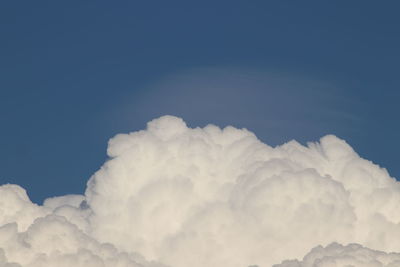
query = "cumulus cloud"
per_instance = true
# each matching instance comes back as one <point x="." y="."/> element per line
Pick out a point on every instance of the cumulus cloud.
<point x="337" y="255"/>
<point x="211" y="197"/>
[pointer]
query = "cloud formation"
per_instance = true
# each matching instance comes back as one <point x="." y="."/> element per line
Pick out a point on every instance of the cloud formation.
<point x="350" y="255"/>
<point x="211" y="197"/>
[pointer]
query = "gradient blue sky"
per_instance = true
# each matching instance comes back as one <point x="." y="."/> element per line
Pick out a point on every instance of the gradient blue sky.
<point x="75" y="73"/>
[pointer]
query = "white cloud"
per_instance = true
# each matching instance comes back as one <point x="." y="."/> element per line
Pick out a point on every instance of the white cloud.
<point x="209" y="197"/>
<point x="336" y="255"/>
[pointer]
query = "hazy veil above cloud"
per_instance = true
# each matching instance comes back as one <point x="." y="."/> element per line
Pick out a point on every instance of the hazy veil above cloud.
<point x="277" y="105"/>
<point x="212" y="197"/>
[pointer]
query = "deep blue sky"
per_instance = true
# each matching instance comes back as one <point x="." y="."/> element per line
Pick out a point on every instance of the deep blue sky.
<point x="75" y="73"/>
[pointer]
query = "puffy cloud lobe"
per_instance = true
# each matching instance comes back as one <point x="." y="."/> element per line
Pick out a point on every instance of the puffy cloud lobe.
<point x="336" y="255"/>
<point x="209" y="197"/>
<point x="15" y="207"/>
<point x="53" y="241"/>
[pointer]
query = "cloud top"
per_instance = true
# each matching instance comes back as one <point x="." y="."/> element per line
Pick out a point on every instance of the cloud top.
<point x="211" y="197"/>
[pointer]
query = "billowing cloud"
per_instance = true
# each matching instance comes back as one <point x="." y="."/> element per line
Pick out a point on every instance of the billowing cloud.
<point x="353" y="255"/>
<point x="211" y="197"/>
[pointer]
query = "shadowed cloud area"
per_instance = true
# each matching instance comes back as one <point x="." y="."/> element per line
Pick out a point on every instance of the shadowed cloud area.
<point x="171" y="195"/>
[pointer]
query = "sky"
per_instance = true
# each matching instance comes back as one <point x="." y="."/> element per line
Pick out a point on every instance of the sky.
<point x="73" y="74"/>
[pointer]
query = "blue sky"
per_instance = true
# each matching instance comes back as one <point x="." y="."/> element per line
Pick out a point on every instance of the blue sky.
<point x="75" y="73"/>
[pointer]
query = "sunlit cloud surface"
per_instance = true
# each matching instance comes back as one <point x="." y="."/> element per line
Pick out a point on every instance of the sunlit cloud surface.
<point x="210" y="197"/>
